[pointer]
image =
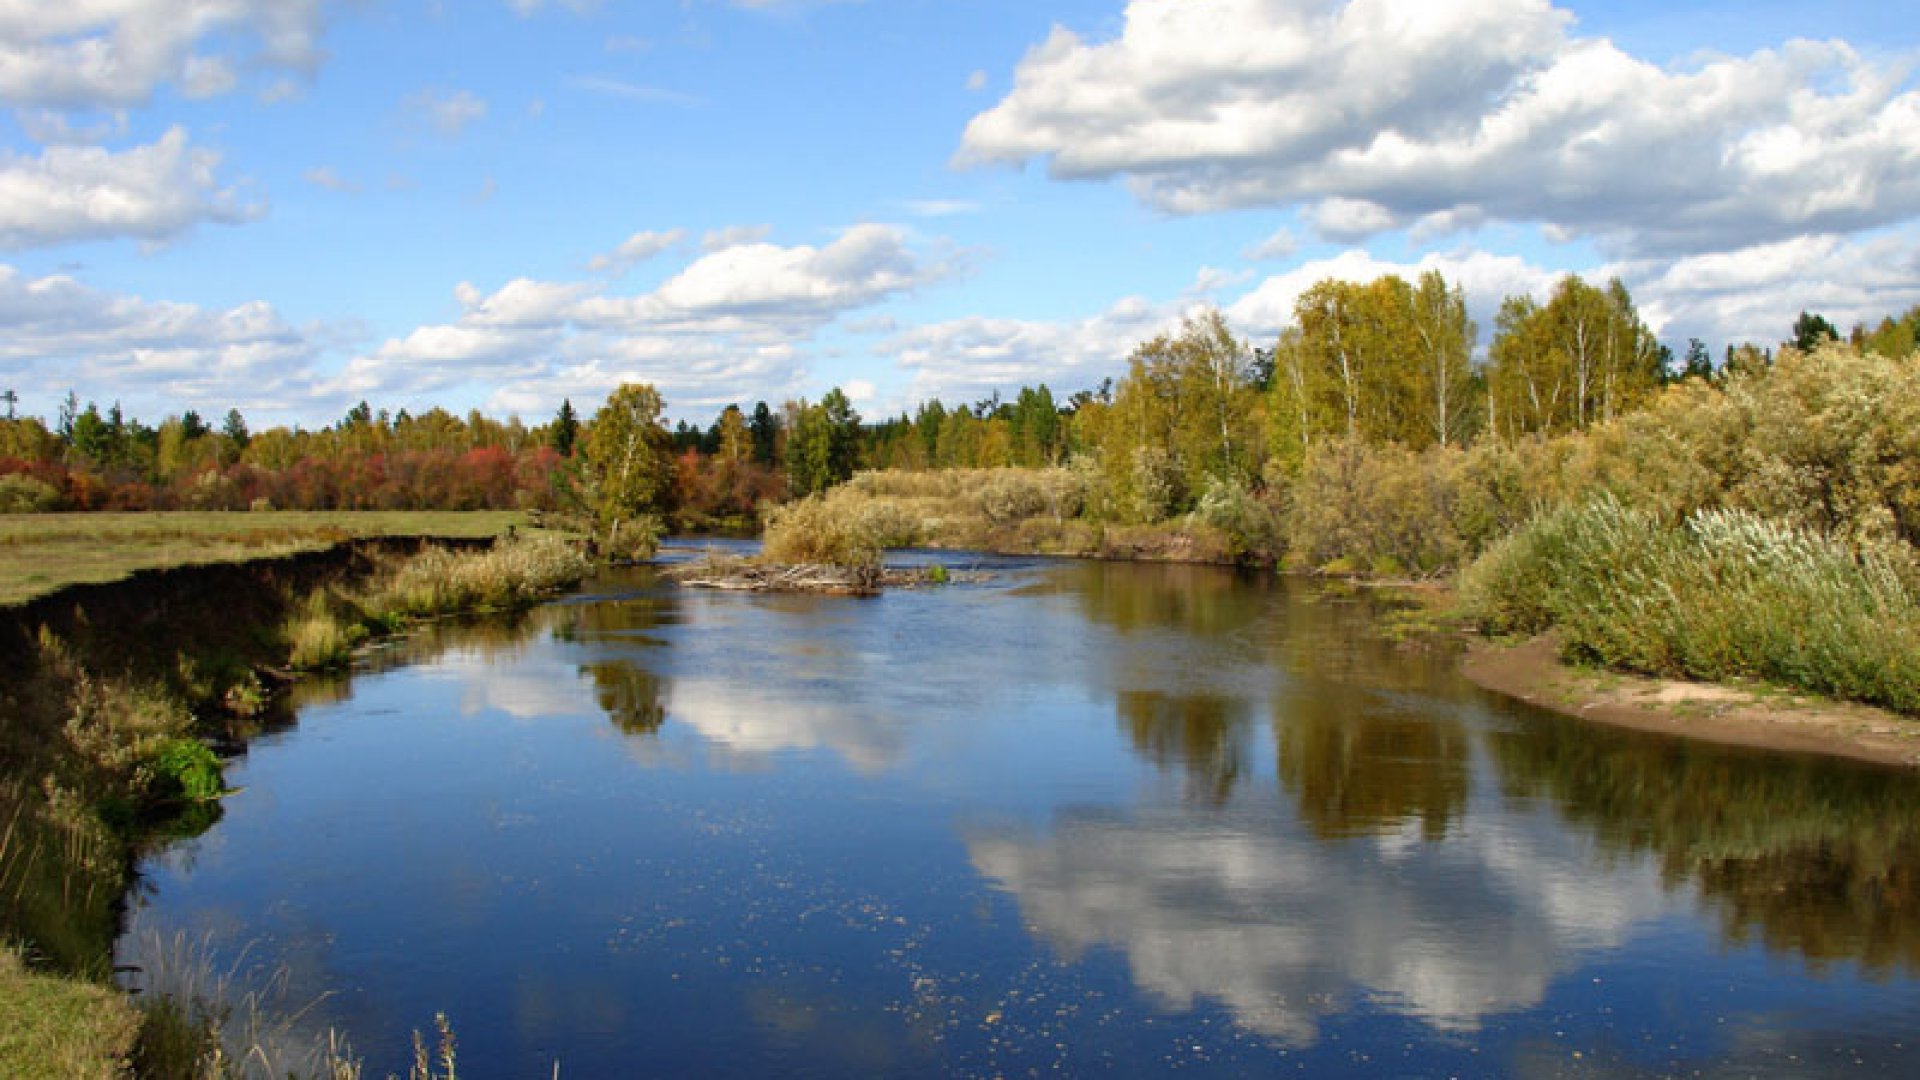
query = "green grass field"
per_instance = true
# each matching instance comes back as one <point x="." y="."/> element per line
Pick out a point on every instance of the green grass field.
<point x="43" y="553"/>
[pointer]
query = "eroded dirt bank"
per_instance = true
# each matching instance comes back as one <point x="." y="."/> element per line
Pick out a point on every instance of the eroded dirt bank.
<point x="1737" y="715"/>
<point x="141" y="625"/>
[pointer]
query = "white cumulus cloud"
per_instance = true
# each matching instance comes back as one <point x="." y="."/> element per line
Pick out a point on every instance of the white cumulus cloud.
<point x="157" y="357"/>
<point x="1388" y="113"/>
<point x="94" y="53"/>
<point x="153" y="192"/>
<point x="968" y="358"/>
<point x="728" y="326"/>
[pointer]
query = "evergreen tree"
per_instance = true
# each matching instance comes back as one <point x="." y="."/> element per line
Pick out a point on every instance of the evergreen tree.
<point x="765" y="429"/>
<point x="566" y="429"/>
<point x="1699" y="363"/>
<point x="1812" y="331"/>
<point x="824" y="445"/>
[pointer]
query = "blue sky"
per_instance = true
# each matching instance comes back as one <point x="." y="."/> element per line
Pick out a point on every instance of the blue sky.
<point x="287" y="206"/>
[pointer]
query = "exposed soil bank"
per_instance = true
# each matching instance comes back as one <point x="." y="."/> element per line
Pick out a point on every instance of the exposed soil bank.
<point x="146" y="619"/>
<point x="95" y="677"/>
<point x="1762" y="717"/>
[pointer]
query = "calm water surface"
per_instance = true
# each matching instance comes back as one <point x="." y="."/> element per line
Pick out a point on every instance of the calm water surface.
<point x="1083" y="818"/>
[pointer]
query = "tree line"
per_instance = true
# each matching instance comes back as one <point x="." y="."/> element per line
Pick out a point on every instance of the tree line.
<point x="1385" y="363"/>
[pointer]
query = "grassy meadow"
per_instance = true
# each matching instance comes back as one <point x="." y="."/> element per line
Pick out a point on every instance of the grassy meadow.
<point x="43" y="553"/>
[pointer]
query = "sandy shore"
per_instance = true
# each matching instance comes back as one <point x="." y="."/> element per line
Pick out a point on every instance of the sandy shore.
<point x="1741" y="716"/>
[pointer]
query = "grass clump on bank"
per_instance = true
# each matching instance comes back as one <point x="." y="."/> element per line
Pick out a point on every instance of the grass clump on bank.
<point x="514" y="573"/>
<point x="1722" y="595"/>
<point x="511" y="574"/>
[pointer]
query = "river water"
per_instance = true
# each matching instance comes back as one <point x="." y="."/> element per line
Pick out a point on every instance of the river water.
<point x="1076" y="817"/>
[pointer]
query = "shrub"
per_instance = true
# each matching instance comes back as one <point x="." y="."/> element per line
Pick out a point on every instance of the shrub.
<point x="1379" y="508"/>
<point x="23" y="494"/>
<point x="1724" y="594"/>
<point x="1252" y="528"/>
<point x="887" y="524"/>
<point x="1011" y="495"/>
<point x="1154" y="485"/>
<point x="815" y="530"/>
<point x="1828" y="440"/>
<point x="636" y="540"/>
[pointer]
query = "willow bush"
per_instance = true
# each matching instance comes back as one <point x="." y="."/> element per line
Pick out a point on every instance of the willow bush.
<point x="1721" y="594"/>
<point x="843" y="527"/>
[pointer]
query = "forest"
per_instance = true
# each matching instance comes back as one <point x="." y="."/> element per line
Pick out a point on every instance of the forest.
<point x="1374" y="435"/>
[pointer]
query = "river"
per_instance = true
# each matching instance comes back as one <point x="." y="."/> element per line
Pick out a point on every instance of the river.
<point x="1081" y="817"/>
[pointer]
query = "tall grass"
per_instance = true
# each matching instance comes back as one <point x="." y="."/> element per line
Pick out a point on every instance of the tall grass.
<point x="322" y="631"/>
<point x="510" y="574"/>
<point x="327" y="625"/>
<point x="1723" y="594"/>
<point x="844" y="527"/>
<point x="207" y="1020"/>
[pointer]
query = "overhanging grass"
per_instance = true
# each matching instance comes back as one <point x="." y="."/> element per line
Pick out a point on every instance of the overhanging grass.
<point x="1723" y="595"/>
<point x="43" y="553"/>
<point x="512" y="574"/>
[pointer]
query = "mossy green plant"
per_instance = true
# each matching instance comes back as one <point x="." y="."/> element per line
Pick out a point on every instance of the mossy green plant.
<point x="187" y="769"/>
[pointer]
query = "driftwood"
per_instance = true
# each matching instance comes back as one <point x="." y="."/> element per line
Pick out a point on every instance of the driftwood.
<point x="752" y="575"/>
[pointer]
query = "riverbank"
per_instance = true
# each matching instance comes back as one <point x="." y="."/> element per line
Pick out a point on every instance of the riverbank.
<point x="42" y="554"/>
<point x="876" y="511"/>
<point x="115" y="694"/>
<point x="1738" y="715"/>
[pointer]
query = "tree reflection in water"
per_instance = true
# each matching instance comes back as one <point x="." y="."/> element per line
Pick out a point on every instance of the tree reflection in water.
<point x="1812" y="857"/>
<point x="1357" y="763"/>
<point x="634" y="698"/>
<point x="1207" y="736"/>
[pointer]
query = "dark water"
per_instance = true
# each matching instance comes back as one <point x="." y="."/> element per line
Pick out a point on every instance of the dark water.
<point x="1085" y="818"/>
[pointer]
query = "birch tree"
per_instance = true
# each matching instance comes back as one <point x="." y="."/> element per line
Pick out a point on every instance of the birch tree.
<point x="627" y="468"/>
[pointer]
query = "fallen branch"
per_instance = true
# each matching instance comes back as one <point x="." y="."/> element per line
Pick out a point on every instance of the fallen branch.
<point x="752" y="575"/>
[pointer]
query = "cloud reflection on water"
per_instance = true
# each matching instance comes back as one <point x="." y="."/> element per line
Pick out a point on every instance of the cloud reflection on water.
<point x="1283" y="929"/>
<point x="755" y="722"/>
